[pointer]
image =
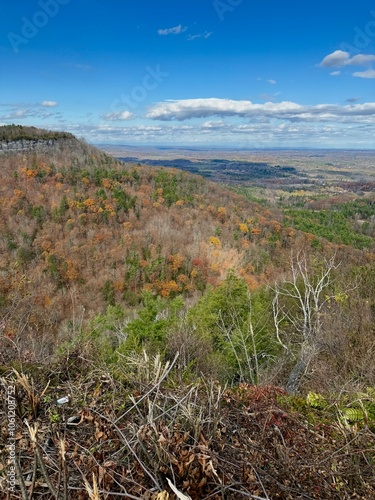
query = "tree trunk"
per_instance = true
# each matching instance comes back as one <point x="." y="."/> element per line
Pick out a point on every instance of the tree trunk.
<point x="298" y="371"/>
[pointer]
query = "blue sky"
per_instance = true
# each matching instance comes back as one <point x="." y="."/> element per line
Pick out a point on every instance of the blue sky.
<point x="240" y="73"/>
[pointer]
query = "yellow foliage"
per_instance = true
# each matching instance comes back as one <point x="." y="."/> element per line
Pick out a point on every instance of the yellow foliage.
<point x="168" y="287"/>
<point x="214" y="240"/>
<point x="244" y="229"/>
<point x="176" y="261"/>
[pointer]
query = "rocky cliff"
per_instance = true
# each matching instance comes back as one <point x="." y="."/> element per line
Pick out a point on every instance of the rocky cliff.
<point x="26" y="145"/>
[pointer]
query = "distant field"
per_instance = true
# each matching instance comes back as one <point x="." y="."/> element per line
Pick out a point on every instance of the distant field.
<point x="290" y="169"/>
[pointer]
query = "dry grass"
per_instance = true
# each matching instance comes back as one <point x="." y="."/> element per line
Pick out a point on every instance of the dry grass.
<point x="143" y="435"/>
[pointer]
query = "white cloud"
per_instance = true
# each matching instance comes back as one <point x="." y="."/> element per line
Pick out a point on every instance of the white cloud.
<point x="369" y="73"/>
<point x="205" y="35"/>
<point x="335" y="73"/>
<point x="118" y="115"/>
<point x="214" y="125"/>
<point x="340" y="58"/>
<point x="176" y="30"/>
<point x="362" y="59"/>
<point x="17" y="114"/>
<point x="32" y="111"/>
<point x="247" y="135"/>
<point x="203" y="108"/>
<point x="49" y="104"/>
<point x="272" y="82"/>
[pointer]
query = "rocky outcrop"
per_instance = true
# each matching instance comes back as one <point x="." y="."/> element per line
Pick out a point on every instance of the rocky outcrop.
<point x="26" y="145"/>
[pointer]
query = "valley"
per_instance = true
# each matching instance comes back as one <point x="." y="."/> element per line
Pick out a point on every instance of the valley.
<point x="200" y="315"/>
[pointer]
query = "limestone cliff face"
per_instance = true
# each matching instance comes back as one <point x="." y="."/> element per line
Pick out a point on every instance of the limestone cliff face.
<point x="26" y="145"/>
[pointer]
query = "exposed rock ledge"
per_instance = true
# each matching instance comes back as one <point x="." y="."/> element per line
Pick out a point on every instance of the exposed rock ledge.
<point x="26" y="145"/>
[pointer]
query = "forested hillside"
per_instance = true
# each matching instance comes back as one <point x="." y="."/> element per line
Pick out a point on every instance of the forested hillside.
<point x="9" y="133"/>
<point x="142" y="290"/>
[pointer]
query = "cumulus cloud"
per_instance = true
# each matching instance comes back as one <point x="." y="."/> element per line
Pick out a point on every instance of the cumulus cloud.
<point x="176" y="30"/>
<point x="203" y="108"/>
<point x="118" y="116"/>
<point x="205" y="35"/>
<point x="369" y="73"/>
<point x="258" y="135"/>
<point x="340" y="58"/>
<point x="362" y="59"/>
<point x="49" y="104"/>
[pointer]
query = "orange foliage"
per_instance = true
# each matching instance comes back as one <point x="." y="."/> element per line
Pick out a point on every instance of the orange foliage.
<point x="176" y="261"/>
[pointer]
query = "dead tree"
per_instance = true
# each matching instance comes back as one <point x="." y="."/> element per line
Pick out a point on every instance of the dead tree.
<point x="299" y="303"/>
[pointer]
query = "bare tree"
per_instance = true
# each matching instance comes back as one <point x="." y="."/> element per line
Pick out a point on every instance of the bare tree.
<point x="300" y="302"/>
<point x="245" y="339"/>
